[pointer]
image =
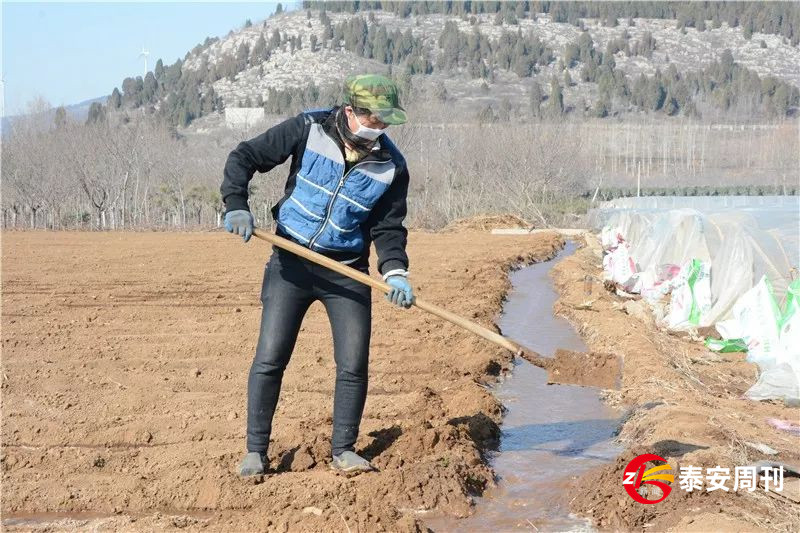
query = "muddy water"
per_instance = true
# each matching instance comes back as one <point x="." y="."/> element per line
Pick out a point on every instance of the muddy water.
<point x="550" y="433"/>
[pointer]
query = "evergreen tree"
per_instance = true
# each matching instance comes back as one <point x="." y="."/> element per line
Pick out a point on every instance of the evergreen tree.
<point x="519" y="10"/>
<point x="149" y="88"/>
<point x="571" y="55"/>
<point x="670" y="105"/>
<point x="259" y="52"/>
<point x="781" y="100"/>
<point x="275" y="39"/>
<point x="115" y="100"/>
<point x="748" y="29"/>
<point x="586" y="47"/>
<point x="645" y="46"/>
<point x="242" y="55"/>
<point x="380" y="45"/>
<point x="655" y="94"/>
<point x="159" y="70"/>
<point x="535" y="99"/>
<point x="97" y="113"/>
<point x="208" y="102"/>
<point x="556" y="100"/>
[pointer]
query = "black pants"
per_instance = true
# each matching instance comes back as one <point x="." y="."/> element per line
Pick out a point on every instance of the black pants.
<point x="290" y="286"/>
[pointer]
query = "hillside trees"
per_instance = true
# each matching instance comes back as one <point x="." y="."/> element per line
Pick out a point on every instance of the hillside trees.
<point x="478" y="55"/>
<point x="781" y="18"/>
<point x="722" y="86"/>
<point x="180" y="94"/>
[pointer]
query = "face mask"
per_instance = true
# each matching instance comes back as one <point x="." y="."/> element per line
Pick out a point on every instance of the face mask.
<point x="369" y="134"/>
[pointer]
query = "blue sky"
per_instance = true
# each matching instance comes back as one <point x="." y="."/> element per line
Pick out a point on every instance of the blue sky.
<point x="69" y="52"/>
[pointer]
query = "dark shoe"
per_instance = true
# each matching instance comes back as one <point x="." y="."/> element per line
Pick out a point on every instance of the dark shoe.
<point x="350" y="463"/>
<point x="253" y="464"/>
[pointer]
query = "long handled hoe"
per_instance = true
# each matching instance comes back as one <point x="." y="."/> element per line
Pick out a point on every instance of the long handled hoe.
<point x="575" y="363"/>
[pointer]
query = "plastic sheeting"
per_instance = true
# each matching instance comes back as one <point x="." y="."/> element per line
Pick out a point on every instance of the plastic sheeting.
<point x="712" y="253"/>
<point x="743" y="238"/>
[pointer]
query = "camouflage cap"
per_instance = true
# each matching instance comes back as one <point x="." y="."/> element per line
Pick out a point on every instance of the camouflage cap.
<point x="376" y="93"/>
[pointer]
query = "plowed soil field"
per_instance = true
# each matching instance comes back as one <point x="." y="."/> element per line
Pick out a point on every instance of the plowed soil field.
<point x="124" y="375"/>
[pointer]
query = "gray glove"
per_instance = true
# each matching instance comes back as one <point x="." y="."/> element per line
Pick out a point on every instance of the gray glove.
<point x="401" y="293"/>
<point x="240" y="222"/>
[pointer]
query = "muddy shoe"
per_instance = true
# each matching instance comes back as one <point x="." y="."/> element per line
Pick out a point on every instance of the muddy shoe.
<point x="350" y="463"/>
<point x="253" y="464"/>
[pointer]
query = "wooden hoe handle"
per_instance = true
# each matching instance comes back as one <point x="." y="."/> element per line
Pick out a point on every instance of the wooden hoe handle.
<point x="352" y="273"/>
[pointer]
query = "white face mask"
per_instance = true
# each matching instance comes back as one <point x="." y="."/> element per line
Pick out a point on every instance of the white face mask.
<point x="369" y="134"/>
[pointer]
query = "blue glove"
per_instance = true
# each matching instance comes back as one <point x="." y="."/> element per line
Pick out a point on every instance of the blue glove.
<point x="400" y="294"/>
<point x="240" y="222"/>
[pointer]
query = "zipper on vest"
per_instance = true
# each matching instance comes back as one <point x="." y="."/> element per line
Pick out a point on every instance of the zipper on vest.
<point x="333" y="197"/>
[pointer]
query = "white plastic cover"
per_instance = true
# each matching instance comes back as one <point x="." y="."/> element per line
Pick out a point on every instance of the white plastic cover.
<point x="742" y="238"/>
<point x="744" y="251"/>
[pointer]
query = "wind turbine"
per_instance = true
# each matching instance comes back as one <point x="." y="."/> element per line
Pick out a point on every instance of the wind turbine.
<point x="144" y="54"/>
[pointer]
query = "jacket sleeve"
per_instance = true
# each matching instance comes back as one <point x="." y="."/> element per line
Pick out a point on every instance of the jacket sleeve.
<point x="261" y="154"/>
<point x="386" y="225"/>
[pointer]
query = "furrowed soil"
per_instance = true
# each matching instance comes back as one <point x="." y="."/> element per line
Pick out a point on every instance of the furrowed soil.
<point x="124" y="376"/>
<point x="683" y="403"/>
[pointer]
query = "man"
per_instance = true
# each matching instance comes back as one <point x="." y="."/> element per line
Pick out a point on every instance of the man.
<point x="346" y="188"/>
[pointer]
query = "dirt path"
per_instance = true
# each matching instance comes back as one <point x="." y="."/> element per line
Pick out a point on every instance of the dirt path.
<point x="125" y="360"/>
<point x="685" y="404"/>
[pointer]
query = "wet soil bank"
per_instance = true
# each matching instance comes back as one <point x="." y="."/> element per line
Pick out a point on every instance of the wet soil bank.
<point x="683" y="403"/>
<point x="124" y="372"/>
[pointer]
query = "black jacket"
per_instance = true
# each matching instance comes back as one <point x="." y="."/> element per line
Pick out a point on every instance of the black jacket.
<point x="384" y="224"/>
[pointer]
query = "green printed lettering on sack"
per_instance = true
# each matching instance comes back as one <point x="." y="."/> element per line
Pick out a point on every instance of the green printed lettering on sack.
<point x="694" y="313"/>
<point x="725" y="345"/>
<point x="792" y="303"/>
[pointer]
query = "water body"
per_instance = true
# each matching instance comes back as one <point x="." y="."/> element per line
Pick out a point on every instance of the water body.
<point x="550" y="433"/>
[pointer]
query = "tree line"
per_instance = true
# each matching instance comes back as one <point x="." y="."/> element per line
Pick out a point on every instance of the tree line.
<point x="141" y="174"/>
<point x="781" y="18"/>
<point x="612" y="193"/>
<point x="105" y="175"/>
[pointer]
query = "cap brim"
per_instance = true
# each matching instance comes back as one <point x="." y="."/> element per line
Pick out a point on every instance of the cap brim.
<point x="392" y="116"/>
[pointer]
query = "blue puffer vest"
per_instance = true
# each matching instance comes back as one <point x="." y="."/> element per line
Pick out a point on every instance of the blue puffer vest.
<point x="327" y="206"/>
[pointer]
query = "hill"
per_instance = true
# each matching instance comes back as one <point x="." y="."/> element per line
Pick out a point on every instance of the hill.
<point x="495" y="61"/>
